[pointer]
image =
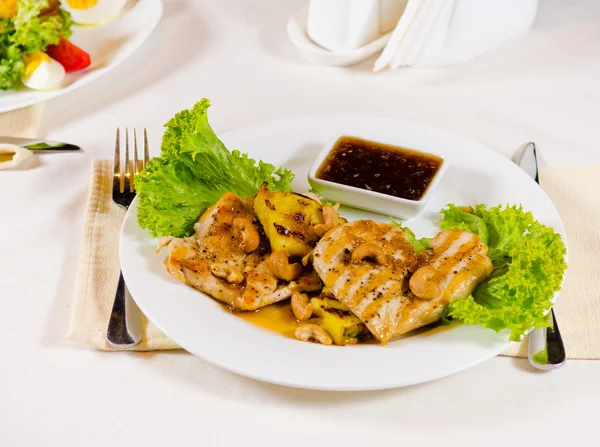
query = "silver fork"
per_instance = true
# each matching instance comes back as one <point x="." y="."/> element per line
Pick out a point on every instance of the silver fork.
<point x="125" y="324"/>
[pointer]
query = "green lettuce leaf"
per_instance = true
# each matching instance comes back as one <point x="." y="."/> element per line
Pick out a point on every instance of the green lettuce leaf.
<point x="34" y="32"/>
<point x="455" y="218"/>
<point x="529" y="266"/>
<point x="420" y="245"/>
<point x="192" y="173"/>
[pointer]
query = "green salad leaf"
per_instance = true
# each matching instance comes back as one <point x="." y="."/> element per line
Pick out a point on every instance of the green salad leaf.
<point x="529" y="265"/>
<point x="192" y="173"/>
<point x="34" y="32"/>
<point x="29" y="31"/>
<point x="456" y="218"/>
<point x="420" y="245"/>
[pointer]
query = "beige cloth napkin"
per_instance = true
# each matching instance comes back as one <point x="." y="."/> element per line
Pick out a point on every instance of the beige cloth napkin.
<point x="576" y="194"/>
<point x="22" y="123"/>
<point x="574" y="191"/>
<point x="98" y="272"/>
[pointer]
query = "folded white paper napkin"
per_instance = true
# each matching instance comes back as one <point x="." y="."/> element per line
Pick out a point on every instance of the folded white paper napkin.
<point x="345" y="25"/>
<point x="426" y="33"/>
<point x="443" y="32"/>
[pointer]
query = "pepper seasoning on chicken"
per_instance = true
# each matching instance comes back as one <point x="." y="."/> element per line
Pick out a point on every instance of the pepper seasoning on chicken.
<point x="366" y="265"/>
<point x="369" y="267"/>
<point x="229" y="258"/>
<point x="458" y="263"/>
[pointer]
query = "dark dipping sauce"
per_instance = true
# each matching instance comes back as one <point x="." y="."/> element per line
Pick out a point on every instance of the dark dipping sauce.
<point x="378" y="167"/>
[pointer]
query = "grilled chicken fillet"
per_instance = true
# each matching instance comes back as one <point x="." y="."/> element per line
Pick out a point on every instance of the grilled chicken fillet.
<point x="374" y="283"/>
<point x="367" y="266"/>
<point x="227" y="258"/>
<point x="457" y="264"/>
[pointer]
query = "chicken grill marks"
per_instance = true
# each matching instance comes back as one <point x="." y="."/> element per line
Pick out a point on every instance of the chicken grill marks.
<point x="374" y="292"/>
<point x="378" y="292"/>
<point x="213" y="259"/>
<point x="369" y="267"/>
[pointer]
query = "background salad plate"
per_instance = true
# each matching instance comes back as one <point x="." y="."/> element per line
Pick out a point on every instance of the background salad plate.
<point x="108" y="44"/>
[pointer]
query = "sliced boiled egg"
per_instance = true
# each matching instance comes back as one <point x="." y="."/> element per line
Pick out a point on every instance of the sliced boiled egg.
<point x="92" y="12"/>
<point x="42" y="72"/>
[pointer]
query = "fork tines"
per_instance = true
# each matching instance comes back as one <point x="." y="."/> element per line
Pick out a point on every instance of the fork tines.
<point x="123" y="176"/>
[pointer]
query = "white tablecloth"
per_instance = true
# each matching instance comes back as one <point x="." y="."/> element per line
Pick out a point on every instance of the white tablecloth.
<point x="543" y="87"/>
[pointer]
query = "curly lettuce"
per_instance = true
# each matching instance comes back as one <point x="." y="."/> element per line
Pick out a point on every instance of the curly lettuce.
<point x="32" y="29"/>
<point x="529" y="264"/>
<point x="420" y="245"/>
<point x="194" y="170"/>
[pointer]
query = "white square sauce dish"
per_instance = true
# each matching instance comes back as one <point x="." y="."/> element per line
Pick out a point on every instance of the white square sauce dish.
<point x="377" y="175"/>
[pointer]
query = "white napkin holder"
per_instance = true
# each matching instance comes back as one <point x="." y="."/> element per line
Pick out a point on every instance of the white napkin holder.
<point x="421" y="33"/>
<point x="345" y="25"/>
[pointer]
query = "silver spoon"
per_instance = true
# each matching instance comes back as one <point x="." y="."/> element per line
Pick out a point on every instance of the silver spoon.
<point x="546" y="349"/>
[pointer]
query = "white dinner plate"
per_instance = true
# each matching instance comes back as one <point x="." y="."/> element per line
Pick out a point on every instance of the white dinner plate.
<point x="476" y="174"/>
<point x="108" y="44"/>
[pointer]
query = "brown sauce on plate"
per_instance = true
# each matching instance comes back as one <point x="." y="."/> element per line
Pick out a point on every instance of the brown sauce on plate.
<point x="378" y="167"/>
<point x="279" y="318"/>
<point x="276" y="317"/>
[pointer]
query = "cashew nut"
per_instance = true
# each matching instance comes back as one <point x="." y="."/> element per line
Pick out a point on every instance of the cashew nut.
<point x="330" y="216"/>
<point x="250" y="237"/>
<point x="368" y="251"/>
<point x="308" y="332"/>
<point x="301" y="307"/>
<point x="281" y="267"/>
<point x="308" y="259"/>
<point x="164" y="242"/>
<point x="424" y="283"/>
<point x="227" y="272"/>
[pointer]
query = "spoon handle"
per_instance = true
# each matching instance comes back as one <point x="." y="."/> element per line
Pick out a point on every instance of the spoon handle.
<point x="546" y="347"/>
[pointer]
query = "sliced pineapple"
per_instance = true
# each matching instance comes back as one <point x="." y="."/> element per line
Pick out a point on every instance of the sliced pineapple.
<point x="289" y="220"/>
<point x="343" y="326"/>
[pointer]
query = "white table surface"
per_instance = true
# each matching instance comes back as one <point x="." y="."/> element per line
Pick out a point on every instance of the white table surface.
<point x="543" y="87"/>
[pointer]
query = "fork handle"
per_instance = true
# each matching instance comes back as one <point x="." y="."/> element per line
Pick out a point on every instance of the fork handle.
<point x="124" y="326"/>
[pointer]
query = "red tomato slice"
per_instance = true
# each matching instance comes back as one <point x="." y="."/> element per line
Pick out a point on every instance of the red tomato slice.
<point x="70" y="56"/>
